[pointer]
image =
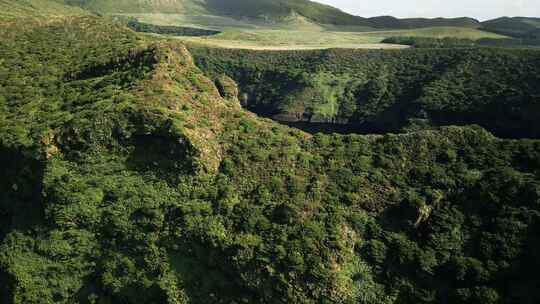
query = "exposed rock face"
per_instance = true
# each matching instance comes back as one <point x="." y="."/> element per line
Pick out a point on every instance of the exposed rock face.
<point x="292" y="117"/>
<point x="334" y="120"/>
<point x="228" y="89"/>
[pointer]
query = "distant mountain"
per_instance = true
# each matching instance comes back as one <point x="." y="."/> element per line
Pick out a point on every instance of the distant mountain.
<point x="270" y="10"/>
<point x="409" y="23"/>
<point x="519" y="27"/>
<point x="426" y="22"/>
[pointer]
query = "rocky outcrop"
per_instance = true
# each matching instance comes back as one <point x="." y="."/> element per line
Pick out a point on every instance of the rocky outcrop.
<point x="228" y="88"/>
<point x="298" y="117"/>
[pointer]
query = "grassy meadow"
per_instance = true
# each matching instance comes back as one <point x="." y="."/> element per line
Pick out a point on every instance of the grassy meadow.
<point x="10" y="10"/>
<point x="298" y="33"/>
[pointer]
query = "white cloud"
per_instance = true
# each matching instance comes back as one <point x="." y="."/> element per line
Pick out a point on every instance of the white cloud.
<point x="481" y="9"/>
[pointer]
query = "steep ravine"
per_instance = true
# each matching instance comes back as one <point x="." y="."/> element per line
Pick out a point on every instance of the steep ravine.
<point x="360" y="91"/>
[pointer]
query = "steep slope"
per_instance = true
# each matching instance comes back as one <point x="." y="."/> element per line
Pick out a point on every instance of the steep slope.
<point x="141" y="6"/>
<point x="384" y="91"/>
<point x="269" y="10"/>
<point x="316" y="12"/>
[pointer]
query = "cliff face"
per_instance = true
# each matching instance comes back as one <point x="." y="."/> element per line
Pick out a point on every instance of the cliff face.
<point x="386" y="91"/>
<point x="109" y="128"/>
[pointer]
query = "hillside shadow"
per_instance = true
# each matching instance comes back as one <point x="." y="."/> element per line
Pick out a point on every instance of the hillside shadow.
<point x="166" y="157"/>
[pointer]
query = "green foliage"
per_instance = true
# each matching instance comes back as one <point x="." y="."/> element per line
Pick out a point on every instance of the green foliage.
<point x="519" y="27"/>
<point x="108" y="193"/>
<point x="321" y="97"/>
<point x="270" y="10"/>
<point x="449" y="42"/>
<point x="13" y="9"/>
<point x="137" y="6"/>
<point x="426" y="42"/>
<point x="386" y="91"/>
<point x="319" y="13"/>
<point x="168" y="29"/>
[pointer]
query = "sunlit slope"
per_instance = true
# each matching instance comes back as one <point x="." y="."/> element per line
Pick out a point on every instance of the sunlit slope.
<point x="141" y="6"/>
<point x="10" y="9"/>
<point x="270" y="11"/>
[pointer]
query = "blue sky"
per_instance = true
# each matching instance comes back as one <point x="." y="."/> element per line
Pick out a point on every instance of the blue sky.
<point x="480" y="9"/>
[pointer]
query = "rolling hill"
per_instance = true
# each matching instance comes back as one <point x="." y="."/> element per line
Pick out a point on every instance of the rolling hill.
<point x="10" y="9"/>
<point x="140" y="6"/>
<point x="268" y="10"/>
<point x="519" y="27"/>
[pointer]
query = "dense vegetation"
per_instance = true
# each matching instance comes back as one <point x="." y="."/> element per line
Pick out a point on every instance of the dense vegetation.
<point x="429" y="42"/>
<point x="129" y="179"/>
<point x="12" y="9"/>
<point x="449" y="42"/>
<point x="381" y="91"/>
<point x="169" y="29"/>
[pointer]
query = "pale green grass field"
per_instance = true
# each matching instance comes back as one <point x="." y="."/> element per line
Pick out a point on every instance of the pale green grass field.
<point x="288" y="40"/>
<point x="294" y="39"/>
<point x="10" y="9"/>
<point x="297" y="33"/>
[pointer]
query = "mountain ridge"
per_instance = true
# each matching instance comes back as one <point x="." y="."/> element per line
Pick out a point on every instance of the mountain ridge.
<point x="519" y="27"/>
<point x="266" y="10"/>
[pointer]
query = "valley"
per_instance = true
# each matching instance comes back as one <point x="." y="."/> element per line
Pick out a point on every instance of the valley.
<point x="387" y="91"/>
<point x="282" y="25"/>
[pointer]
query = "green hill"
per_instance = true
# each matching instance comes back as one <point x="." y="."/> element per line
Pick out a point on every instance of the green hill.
<point x="10" y="9"/>
<point x="519" y="27"/>
<point x="268" y="10"/>
<point x="141" y="6"/>
<point x="427" y="22"/>
<point x="131" y="177"/>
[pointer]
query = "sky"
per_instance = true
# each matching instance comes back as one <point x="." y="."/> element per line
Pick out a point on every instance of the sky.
<point x="479" y="9"/>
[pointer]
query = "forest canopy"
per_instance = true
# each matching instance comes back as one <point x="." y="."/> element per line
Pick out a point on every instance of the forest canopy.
<point x="131" y="173"/>
<point x="388" y="91"/>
